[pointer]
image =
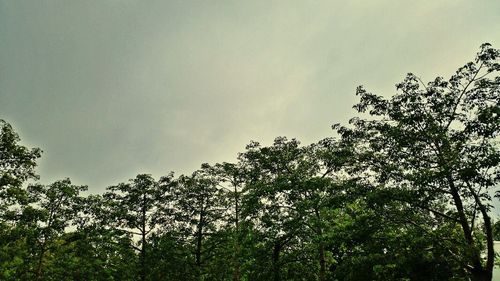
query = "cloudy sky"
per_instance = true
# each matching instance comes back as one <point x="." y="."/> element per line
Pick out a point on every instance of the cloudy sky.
<point x="110" y="89"/>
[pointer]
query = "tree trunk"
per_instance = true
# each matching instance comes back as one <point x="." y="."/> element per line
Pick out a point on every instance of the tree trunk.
<point x="322" y="262"/>
<point x="199" y="241"/>
<point x="236" y="272"/>
<point x="38" y="275"/>
<point x="457" y="200"/>
<point x="490" y="251"/>
<point x="143" y="246"/>
<point x="199" y="237"/>
<point x="236" y="254"/>
<point x="143" y="258"/>
<point x="478" y="272"/>
<point x="321" y="249"/>
<point x="490" y="254"/>
<point x="481" y="275"/>
<point x="275" y="262"/>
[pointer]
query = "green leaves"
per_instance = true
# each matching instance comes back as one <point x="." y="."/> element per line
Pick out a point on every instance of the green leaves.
<point x="17" y="165"/>
<point x="439" y="140"/>
<point x="404" y="194"/>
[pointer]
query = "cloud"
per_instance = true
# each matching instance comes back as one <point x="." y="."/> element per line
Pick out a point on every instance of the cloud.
<point x="110" y="89"/>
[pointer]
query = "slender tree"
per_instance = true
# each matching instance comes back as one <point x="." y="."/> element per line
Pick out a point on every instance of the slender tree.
<point x="55" y="207"/>
<point x="197" y="200"/>
<point x="134" y="206"/>
<point x="231" y="178"/>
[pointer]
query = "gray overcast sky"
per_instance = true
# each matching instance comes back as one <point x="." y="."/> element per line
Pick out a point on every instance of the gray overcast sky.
<point x="110" y="89"/>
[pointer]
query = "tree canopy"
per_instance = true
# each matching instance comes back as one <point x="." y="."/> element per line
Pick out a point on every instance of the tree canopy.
<point x="402" y="192"/>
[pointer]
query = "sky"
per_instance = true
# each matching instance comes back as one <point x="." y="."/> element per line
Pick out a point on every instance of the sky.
<point x="109" y="89"/>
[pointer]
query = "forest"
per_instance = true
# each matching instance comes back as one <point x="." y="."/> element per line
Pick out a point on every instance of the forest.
<point x="404" y="191"/>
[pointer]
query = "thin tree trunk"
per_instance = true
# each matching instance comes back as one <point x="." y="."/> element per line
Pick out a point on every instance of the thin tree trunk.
<point x="44" y="246"/>
<point x="236" y="272"/>
<point x="481" y="275"/>
<point x="485" y="274"/>
<point x="321" y="249"/>
<point x="457" y="200"/>
<point x="322" y="262"/>
<point x="478" y="272"/>
<point x="40" y="262"/>
<point x="275" y="262"/>
<point x="490" y="254"/>
<point x="198" y="248"/>
<point x="199" y="241"/>
<point x="236" y="255"/>
<point x="143" y="246"/>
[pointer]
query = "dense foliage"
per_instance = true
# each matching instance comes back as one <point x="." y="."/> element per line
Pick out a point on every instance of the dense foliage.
<point x="403" y="193"/>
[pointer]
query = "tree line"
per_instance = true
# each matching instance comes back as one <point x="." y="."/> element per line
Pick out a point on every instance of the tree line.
<point x="403" y="192"/>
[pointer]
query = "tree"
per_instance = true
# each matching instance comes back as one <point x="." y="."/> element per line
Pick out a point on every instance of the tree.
<point x="436" y="146"/>
<point x="320" y="191"/>
<point x="17" y="165"/>
<point x="134" y="206"/>
<point x="96" y="250"/>
<point x="290" y="190"/>
<point x="274" y="175"/>
<point x="198" y="212"/>
<point x="231" y="178"/>
<point x="52" y="211"/>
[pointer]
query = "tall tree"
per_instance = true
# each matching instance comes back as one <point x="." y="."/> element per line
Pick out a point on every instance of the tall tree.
<point x="97" y="250"/>
<point x="134" y="206"/>
<point x="436" y="144"/>
<point x="320" y="190"/>
<point x="273" y="174"/>
<point x="231" y="178"/>
<point x="17" y="164"/>
<point x="197" y="201"/>
<point x="53" y="210"/>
